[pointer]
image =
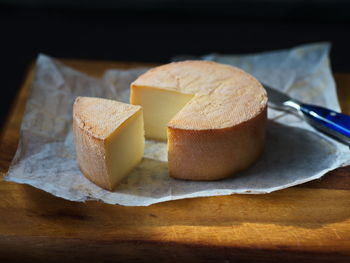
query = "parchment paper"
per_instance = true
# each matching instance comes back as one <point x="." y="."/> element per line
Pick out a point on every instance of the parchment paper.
<point x="294" y="153"/>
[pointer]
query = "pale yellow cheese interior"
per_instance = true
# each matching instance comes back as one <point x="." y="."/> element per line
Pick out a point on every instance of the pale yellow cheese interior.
<point x="124" y="148"/>
<point x="212" y="115"/>
<point x="196" y="95"/>
<point x="159" y="106"/>
<point x="109" y="139"/>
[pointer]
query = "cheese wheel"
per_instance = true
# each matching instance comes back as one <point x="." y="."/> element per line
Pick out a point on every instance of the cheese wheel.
<point x="109" y="139"/>
<point x="212" y="115"/>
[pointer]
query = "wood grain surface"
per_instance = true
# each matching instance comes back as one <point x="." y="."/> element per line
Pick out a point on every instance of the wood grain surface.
<point x="307" y="223"/>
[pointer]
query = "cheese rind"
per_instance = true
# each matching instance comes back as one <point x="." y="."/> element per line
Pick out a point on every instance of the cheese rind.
<point x="220" y="130"/>
<point x="215" y="154"/>
<point x="223" y="96"/>
<point x="109" y="139"/>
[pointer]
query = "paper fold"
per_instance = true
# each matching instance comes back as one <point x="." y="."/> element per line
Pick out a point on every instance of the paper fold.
<point x="294" y="153"/>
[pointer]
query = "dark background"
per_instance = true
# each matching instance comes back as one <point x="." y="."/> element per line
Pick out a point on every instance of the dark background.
<point x="156" y="30"/>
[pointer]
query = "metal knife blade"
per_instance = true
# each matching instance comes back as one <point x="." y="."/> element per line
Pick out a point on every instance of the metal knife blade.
<point x="281" y="100"/>
<point x="334" y="124"/>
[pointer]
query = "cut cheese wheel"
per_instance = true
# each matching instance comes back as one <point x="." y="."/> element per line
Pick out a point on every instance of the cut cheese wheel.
<point x="212" y="115"/>
<point x="109" y="139"/>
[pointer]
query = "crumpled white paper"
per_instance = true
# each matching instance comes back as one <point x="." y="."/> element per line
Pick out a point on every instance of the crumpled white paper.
<point x="294" y="154"/>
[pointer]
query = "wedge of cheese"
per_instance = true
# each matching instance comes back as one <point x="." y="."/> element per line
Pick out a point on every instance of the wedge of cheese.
<point x="212" y="115"/>
<point x="109" y="139"/>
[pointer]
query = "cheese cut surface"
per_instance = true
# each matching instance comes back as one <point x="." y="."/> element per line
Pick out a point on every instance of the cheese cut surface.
<point x="160" y="106"/>
<point x="109" y="139"/>
<point x="215" y="117"/>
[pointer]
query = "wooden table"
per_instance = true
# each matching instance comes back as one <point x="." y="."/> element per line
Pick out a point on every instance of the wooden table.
<point x="307" y="223"/>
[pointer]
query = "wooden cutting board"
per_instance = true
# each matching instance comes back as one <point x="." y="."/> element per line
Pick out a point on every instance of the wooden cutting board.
<point x="307" y="223"/>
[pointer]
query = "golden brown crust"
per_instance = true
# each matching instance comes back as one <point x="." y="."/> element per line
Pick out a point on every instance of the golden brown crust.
<point x="100" y="117"/>
<point x="224" y="95"/>
<point x="221" y="130"/>
<point x="215" y="154"/>
<point x="94" y="120"/>
<point x="91" y="157"/>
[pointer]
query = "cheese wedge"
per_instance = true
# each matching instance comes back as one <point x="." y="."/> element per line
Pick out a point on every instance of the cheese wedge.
<point x="215" y="117"/>
<point x="109" y="139"/>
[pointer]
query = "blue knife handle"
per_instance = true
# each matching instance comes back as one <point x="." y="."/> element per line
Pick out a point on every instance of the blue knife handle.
<point x="333" y="123"/>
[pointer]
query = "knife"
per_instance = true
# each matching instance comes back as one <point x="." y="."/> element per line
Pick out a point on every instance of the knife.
<point x="334" y="124"/>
